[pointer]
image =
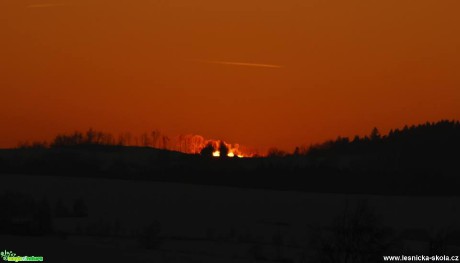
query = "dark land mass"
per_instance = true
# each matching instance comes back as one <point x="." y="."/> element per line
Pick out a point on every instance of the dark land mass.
<point x="417" y="160"/>
<point x="345" y="200"/>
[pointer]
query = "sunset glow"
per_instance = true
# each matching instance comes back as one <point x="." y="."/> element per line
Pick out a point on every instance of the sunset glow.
<point x="260" y="73"/>
<point x="230" y="154"/>
<point x="234" y="150"/>
<point x="230" y="130"/>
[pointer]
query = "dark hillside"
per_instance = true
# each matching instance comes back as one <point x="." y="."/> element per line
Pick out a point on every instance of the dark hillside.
<point x="416" y="160"/>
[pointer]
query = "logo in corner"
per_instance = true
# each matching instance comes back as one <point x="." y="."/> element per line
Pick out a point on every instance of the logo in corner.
<point x="5" y="254"/>
<point x="10" y="256"/>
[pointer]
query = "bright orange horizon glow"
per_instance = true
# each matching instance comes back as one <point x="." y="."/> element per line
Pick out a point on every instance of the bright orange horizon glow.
<point x="234" y="150"/>
<point x="260" y="73"/>
<point x="230" y="154"/>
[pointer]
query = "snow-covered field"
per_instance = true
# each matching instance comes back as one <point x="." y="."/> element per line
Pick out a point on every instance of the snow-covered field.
<point x="192" y="215"/>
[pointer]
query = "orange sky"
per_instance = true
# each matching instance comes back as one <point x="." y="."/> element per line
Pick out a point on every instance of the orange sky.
<point x="187" y="67"/>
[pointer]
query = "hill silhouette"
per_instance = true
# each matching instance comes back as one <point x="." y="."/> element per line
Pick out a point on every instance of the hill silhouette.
<point x="415" y="160"/>
<point x="344" y="200"/>
<point x="432" y="146"/>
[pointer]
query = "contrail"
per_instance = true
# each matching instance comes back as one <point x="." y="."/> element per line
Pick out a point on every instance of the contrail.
<point x="242" y="64"/>
<point x="45" y="5"/>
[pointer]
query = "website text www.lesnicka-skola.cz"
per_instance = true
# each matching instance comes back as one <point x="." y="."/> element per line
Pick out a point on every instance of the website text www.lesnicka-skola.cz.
<point x="422" y="258"/>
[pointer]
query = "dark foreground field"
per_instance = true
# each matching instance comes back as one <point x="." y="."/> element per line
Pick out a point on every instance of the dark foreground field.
<point x="68" y="219"/>
<point x="344" y="201"/>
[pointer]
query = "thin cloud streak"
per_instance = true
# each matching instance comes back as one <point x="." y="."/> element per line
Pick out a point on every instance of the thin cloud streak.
<point x="45" y="5"/>
<point x="231" y="63"/>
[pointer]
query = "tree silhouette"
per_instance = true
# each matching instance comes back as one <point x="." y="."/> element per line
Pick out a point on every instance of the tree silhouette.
<point x="155" y="138"/>
<point x="223" y="149"/>
<point x="275" y="152"/>
<point x="375" y="134"/>
<point x="207" y="150"/>
<point x="356" y="235"/>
